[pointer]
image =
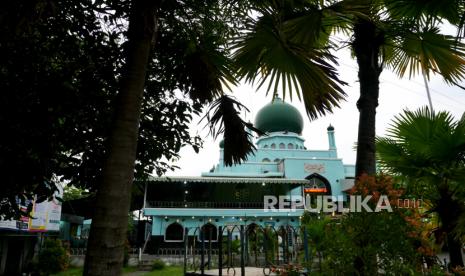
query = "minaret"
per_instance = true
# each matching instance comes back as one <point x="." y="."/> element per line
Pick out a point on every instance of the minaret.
<point x="331" y="139"/>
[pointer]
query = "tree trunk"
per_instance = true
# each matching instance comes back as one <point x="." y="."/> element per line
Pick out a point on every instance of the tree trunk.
<point x="450" y="210"/>
<point x="366" y="45"/>
<point x="455" y="250"/>
<point x="108" y="234"/>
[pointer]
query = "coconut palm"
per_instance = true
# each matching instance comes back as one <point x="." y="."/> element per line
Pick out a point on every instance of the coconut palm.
<point x="203" y="73"/>
<point x="288" y="46"/>
<point x="427" y="149"/>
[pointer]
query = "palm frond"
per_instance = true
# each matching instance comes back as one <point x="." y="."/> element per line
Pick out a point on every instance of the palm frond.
<point x="428" y="51"/>
<point x="225" y="120"/>
<point x="414" y="9"/>
<point x="265" y="54"/>
<point x="424" y="145"/>
<point x="209" y="70"/>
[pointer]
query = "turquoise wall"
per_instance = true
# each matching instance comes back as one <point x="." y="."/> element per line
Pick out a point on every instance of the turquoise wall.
<point x="294" y="163"/>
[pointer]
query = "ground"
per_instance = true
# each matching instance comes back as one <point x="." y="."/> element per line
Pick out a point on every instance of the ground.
<point x="132" y="271"/>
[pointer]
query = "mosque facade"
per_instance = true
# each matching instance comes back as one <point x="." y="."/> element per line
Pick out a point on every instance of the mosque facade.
<point x="237" y="195"/>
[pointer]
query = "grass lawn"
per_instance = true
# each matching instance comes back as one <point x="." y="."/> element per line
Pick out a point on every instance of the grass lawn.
<point x="167" y="271"/>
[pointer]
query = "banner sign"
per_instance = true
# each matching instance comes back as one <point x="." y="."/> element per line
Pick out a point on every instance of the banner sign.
<point x="45" y="216"/>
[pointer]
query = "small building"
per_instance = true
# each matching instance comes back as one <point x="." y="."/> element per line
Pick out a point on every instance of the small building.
<point x="237" y="195"/>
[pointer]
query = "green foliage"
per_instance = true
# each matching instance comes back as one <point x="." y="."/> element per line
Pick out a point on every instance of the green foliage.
<point x="158" y="264"/>
<point x="274" y="51"/>
<point x="427" y="149"/>
<point x="381" y="241"/>
<point x="53" y="257"/>
<point x="70" y="193"/>
<point x="226" y="120"/>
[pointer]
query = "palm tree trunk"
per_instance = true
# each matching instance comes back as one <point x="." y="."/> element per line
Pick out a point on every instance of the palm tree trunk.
<point x="450" y="210"/>
<point x="108" y="234"/>
<point x="455" y="250"/>
<point x="366" y="44"/>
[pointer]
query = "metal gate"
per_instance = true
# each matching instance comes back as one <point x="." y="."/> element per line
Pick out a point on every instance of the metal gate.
<point x="238" y="248"/>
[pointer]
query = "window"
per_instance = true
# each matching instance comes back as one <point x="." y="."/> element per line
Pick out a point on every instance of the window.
<point x="290" y="146"/>
<point x="174" y="233"/>
<point x="273" y="146"/>
<point x="282" y="146"/>
<point x="266" y="160"/>
<point x="317" y="184"/>
<point x="209" y="232"/>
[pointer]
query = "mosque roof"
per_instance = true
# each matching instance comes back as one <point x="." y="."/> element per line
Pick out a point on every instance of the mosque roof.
<point x="279" y="116"/>
<point x="191" y="179"/>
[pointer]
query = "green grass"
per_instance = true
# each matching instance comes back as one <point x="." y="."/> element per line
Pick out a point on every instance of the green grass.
<point x="167" y="271"/>
<point x="72" y="271"/>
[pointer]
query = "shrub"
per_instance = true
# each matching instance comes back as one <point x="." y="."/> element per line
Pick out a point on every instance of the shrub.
<point x="158" y="265"/>
<point x="53" y="257"/>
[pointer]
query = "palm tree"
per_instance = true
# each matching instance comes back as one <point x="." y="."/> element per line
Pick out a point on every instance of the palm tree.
<point x="288" y="46"/>
<point x="205" y="69"/>
<point x="427" y="149"/>
<point x="110" y="219"/>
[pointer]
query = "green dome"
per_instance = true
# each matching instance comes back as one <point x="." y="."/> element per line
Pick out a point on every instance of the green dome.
<point x="279" y="116"/>
<point x="222" y="144"/>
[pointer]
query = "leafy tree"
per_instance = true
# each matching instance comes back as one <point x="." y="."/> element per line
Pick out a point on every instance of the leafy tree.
<point x="71" y="193"/>
<point x="381" y="241"/>
<point x="59" y="76"/>
<point x="290" y="45"/>
<point x="79" y="77"/>
<point x="316" y="227"/>
<point x="427" y="150"/>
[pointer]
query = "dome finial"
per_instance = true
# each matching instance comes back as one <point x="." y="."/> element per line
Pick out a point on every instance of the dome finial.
<point x="330" y="128"/>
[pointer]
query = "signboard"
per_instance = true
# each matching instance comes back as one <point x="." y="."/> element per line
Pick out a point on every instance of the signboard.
<point x="45" y="216"/>
<point x="20" y="224"/>
<point x="314" y="168"/>
<point x="315" y="190"/>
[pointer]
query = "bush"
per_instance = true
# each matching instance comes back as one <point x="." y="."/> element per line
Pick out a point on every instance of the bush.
<point x="53" y="257"/>
<point x="158" y="265"/>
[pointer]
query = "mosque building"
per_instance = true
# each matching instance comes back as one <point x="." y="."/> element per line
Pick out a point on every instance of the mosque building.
<point x="227" y="196"/>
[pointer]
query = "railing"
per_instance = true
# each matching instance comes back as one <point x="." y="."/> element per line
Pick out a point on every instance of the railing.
<point x="205" y="204"/>
<point x="81" y="251"/>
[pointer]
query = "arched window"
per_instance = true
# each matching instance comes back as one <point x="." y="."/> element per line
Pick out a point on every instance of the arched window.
<point x="174" y="233"/>
<point x="273" y="146"/>
<point x="266" y="160"/>
<point x="317" y="184"/>
<point x="282" y="146"/>
<point x="209" y="232"/>
<point x="277" y="160"/>
<point x="290" y="146"/>
<point x="265" y="146"/>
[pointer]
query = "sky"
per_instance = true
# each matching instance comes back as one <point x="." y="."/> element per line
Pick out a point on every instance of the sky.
<point x="395" y="96"/>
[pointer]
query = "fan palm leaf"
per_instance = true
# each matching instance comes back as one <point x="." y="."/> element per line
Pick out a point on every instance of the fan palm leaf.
<point x="424" y="145"/>
<point x="279" y="55"/>
<point x="402" y="9"/>
<point x="425" y="51"/>
<point x="209" y="71"/>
